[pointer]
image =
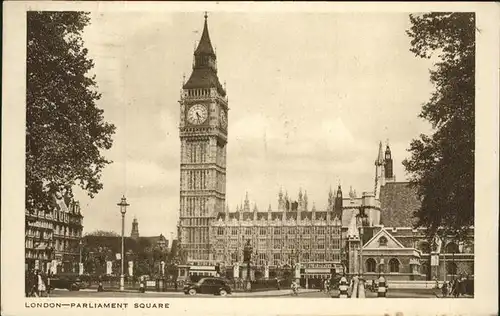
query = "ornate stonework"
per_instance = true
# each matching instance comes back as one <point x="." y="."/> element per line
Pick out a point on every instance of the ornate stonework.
<point x="203" y="135"/>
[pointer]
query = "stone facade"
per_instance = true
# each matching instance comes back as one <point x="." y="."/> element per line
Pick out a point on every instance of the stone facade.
<point x="405" y="253"/>
<point x="52" y="239"/>
<point x="203" y="136"/>
<point x="347" y="233"/>
<point x="278" y="237"/>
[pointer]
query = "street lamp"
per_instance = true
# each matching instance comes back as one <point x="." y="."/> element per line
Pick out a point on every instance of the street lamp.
<point x="360" y="220"/>
<point x="123" y="209"/>
<point x="80" y="262"/>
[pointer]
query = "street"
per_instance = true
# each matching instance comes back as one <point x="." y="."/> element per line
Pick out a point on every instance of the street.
<point x="276" y="293"/>
<point x="395" y="293"/>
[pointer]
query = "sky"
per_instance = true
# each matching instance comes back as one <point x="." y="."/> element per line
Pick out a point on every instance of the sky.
<point x="310" y="97"/>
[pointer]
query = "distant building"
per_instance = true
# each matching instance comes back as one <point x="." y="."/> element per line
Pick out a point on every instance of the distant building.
<point x="135" y="229"/>
<point x="52" y="239"/>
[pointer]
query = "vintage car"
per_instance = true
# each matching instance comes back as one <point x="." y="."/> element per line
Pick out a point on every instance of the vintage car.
<point x="214" y="286"/>
<point x="69" y="282"/>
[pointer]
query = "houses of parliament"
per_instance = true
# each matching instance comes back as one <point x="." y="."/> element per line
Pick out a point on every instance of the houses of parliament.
<point x="294" y="234"/>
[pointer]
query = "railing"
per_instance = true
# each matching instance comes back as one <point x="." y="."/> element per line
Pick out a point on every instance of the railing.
<point x="166" y="285"/>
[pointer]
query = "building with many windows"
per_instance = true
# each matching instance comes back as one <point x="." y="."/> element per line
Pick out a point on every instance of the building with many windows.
<point x="372" y="233"/>
<point x="282" y="238"/>
<point x="52" y="240"/>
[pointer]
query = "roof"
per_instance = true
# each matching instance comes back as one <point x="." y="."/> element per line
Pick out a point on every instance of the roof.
<point x="154" y="239"/>
<point x="398" y="202"/>
<point x="392" y="242"/>
<point x="205" y="45"/>
<point x="204" y="78"/>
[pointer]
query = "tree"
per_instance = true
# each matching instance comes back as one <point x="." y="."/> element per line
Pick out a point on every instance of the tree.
<point x="103" y="233"/>
<point x="65" y="130"/>
<point x="442" y="164"/>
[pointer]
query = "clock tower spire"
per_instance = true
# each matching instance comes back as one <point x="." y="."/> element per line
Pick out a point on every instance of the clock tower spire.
<point x="203" y="134"/>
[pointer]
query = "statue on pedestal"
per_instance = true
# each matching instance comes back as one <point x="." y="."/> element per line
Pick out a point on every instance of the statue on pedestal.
<point x="247" y="257"/>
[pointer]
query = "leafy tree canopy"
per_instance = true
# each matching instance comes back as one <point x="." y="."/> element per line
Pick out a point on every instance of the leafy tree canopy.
<point x="65" y="130"/>
<point x="442" y="164"/>
<point x="103" y="233"/>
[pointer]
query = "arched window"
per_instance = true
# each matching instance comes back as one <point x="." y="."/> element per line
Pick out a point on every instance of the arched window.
<point x="452" y="248"/>
<point x="424" y="247"/>
<point x="371" y="265"/>
<point x="394" y="265"/>
<point x="382" y="241"/>
<point x="451" y="268"/>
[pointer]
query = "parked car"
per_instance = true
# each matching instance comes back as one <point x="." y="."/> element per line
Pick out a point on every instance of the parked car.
<point x="71" y="284"/>
<point x="214" y="286"/>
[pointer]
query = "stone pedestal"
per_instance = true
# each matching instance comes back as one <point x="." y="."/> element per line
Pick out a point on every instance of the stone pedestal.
<point x="162" y="267"/>
<point x="435" y="273"/>
<point x="131" y="268"/>
<point x="297" y="272"/>
<point x="236" y="271"/>
<point x="244" y="271"/>
<point x="109" y="267"/>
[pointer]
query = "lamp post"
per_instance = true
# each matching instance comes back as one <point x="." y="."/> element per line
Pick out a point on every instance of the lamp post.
<point x="123" y="209"/>
<point x="360" y="219"/>
<point x="80" y="261"/>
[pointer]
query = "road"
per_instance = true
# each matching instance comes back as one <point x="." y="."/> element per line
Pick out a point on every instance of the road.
<point x="394" y="293"/>
<point x="405" y="293"/>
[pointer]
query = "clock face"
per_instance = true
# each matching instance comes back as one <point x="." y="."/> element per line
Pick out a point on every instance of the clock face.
<point x="197" y="114"/>
<point x="223" y="119"/>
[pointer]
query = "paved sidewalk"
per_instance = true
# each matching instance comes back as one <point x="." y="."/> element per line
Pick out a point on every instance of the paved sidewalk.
<point x="271" y="293"/>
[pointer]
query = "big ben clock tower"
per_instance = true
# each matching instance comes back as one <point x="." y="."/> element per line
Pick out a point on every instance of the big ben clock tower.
<point x="203" y="135"/>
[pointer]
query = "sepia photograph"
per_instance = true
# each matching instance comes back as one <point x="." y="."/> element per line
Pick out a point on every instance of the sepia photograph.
<point x="249" y="154"/>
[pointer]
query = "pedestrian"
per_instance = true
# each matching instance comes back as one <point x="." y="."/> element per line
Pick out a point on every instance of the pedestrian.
<point x="327" y="288"/>
<point x="461" y="286"/>
<point x="49" y="276"/>
<point x="100" y="288"/>
<point x="454" y="286"/>
<point x="30" y="283"/>
<point x="142" y="288"/>
<point x="444" y="289"/>
<point x="295" y="288"/>
<point x="278" y="283"/>
<point x="41" y="287"/>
